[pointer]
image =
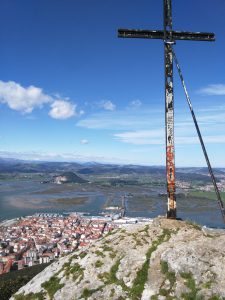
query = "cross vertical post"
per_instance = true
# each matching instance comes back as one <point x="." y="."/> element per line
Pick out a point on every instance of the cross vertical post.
<point x="169" y="36"/>
<point x="169" y="110"/>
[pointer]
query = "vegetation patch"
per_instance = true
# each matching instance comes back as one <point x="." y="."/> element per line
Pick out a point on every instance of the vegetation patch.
<point x="112" y="254"/>
<point x="82" y="254"/>
<point x="194" y="225"/>
<point x="136" y="239"/>
<point x="98" y="264"/>
<point x="112" y="293"/>
<point x="190" y="283"/>
<point x="169" y="276"/>
<point x="111" y="232"/>
<point x="99" y="253"/>
<point x="154" y="297"/>
<point x="122" y="237"/>
<point x="214" y="297"/>
<point x="87" y="293"/>
<point x="145" y="230"/>
<point x="107" y="248"/>
<point x="142" y="275"/>
<point x="110" y="277"/>
<point x="206" y="194"/>
<point x="52" y="286"/>
<point x="207" y="285"/>
<point x="11" y="282"/>
<point x="30" y="296"/>
<point x="74" y="270"/>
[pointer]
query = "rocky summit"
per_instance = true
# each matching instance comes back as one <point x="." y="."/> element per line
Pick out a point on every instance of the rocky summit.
<point x="162" y="259"/>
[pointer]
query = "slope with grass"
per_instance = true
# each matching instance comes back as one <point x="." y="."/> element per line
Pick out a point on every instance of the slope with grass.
<point x="162" y="259"/>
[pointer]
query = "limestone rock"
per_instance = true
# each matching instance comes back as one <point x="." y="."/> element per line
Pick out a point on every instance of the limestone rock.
<point x="158" y="260"/>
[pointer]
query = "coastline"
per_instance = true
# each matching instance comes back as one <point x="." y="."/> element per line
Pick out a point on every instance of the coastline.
<point x="9" y="222"/>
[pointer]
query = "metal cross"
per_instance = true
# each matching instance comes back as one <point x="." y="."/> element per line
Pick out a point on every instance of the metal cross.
<point x="169" y="37"/>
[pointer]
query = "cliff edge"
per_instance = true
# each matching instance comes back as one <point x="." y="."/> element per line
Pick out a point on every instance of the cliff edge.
<point x="162" y="259"/>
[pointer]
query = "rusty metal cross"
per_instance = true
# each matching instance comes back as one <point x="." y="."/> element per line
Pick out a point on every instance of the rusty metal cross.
<point x="169" y="37"/>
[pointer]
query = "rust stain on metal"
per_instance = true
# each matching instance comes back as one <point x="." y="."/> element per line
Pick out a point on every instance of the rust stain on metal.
<point x="170" y="157"/>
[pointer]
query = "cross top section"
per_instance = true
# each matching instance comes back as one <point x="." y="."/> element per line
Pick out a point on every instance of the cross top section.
<point x="169" y="37"/>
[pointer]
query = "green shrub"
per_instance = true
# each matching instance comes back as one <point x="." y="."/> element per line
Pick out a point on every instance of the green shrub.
<point x="11" y="282"/>
<point x="82" y="254"/>
<point x="98" y="264"/>
<point x="99" y="253"/>
<point x="52" y="286"/>
<point x="30" y="296"/>
<point x="190" y="283"/>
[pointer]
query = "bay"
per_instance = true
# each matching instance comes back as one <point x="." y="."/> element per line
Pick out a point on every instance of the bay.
<point x="26" y="197"/>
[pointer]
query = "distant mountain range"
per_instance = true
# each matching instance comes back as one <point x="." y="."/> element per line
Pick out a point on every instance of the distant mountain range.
<point x="20" y="166"/>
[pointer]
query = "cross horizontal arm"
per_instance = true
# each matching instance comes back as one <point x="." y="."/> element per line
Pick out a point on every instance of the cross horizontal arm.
<point x="159" y="34"/>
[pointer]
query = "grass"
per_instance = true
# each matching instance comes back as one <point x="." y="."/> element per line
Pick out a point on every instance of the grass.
<point x="207" y="285"/>
<point x="107" y="248"/>
<point x="194" y="225"/>
<point x="136" y="239"/>
<point x="74" y="270"/>
<point x="52" y="286"/>
<point x="154" y="297"/>
<point x="111" y="232"/>
<point x="214" y="297"/>
<point x="112" y="292"/>
<point x="30" y="296"/>
<point x="82" y="254"/>
<point x="190" y="283"/>
<point x="146" y="228"/>
<point x="142" y="275"/>
<point x="99" y="253"/>
<point x="87" y="293"/>
<point x="169" y="276"/>
<point x="11" y="282"/>
<point x="112" y="254"/>
<point x="164" y="267"/>
<point x="98" y="264"/>
<point x="110" y="277"/>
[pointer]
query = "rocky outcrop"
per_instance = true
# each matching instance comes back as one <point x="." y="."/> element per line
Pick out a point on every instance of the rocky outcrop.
<point x="163" y="259"/>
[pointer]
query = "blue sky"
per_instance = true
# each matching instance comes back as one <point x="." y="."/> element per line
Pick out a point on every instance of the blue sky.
<point x="71" y="90"/>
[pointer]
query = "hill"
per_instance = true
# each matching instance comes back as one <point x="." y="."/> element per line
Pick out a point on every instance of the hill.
<point x="68" y="177"/>
<point x="162" y="259"/>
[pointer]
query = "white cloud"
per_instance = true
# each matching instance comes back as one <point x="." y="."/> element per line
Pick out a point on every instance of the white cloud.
<point x="135" y="104"/>
<point x="213" y="90"/>
<point x="142" y="137"/>
<point x="61" y="109"/>
<point x="26" y="99"/>
<point x="63" y="157"/>
<point x="123" y="120"/>
<point x="20" y="98"/>
<point x="157" y="137"/>
<point x="107" y="105"/>
<point x="84" y="142"/>
<point x="215" y="139"/>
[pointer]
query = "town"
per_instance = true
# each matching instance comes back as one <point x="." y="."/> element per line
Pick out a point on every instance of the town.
<point x="44" y="237"/>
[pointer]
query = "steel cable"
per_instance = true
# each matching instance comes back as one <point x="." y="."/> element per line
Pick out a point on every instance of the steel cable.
<point x="219" y="200"/>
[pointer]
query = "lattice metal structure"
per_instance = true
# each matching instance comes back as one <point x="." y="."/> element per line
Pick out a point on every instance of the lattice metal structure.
<point x="169" y="37"/>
